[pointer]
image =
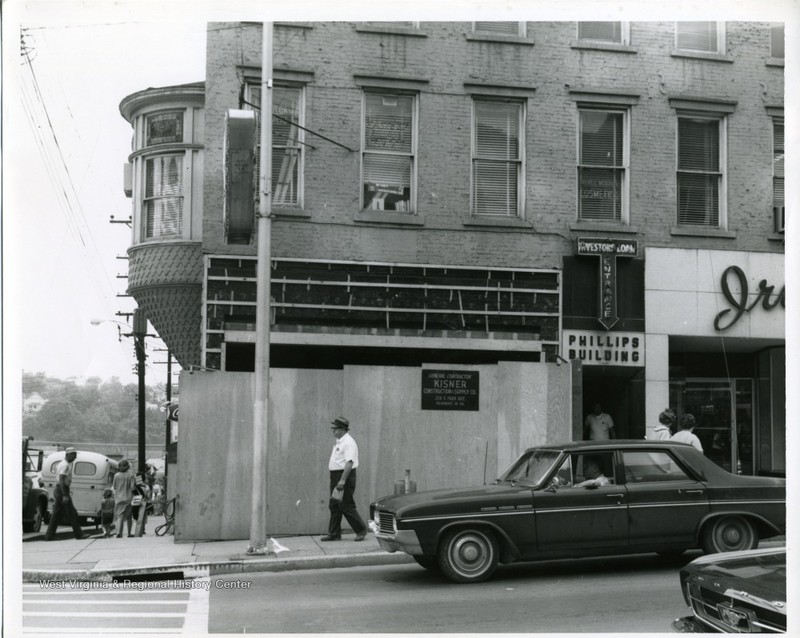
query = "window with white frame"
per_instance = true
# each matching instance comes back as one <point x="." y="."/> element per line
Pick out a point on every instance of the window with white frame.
<point x="778" y="201"/>
<point x="163" y="196"/>
<point x="707" y="37"/>
<point x="499" y="28"/>
<point x="611" y="32"/>
<point x="287" y="142"/>
<point x="388" y="161"/>
<point x="700" y="170"/>
<point x="602" y="164"/>
<point x="497" y="147"/>
<point x="777" y="41"/>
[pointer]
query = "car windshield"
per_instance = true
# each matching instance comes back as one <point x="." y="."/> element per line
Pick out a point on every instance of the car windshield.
<point x="532" y="466"/>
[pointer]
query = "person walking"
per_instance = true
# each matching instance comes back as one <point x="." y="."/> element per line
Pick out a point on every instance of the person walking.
<point x="62" y="500"/>
<point x="342" y="466"/>
<point x="124" y="484"/>
<point x="598" y="426"/>
<point x="663" y="430"/>
<point x="685" y="434"/>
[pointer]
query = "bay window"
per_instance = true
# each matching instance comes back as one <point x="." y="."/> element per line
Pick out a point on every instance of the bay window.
<point x="602" y="165"/>
<point x="388" y="161"/>
<point x="163" y="196"/>
<point x="700" y="173"/>
<point x="497" y="157"/>
<point x="708" y="37"/>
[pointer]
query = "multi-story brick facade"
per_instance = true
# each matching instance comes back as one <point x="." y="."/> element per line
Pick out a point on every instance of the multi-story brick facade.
<point x="664" y="135"/>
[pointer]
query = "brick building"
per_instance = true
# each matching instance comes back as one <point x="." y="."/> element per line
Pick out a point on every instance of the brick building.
<point x="476" y="193"/>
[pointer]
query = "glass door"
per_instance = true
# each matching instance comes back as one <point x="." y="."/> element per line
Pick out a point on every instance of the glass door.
<point x="724" y="413"/>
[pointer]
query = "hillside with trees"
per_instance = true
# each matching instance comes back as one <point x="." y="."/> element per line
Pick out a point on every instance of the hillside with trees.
<point x="95" y="410"/>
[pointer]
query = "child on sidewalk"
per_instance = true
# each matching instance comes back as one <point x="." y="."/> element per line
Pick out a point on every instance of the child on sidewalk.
<point x="106" y="513"/>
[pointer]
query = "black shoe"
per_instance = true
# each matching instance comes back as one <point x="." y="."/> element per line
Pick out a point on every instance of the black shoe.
<point x="330" y="537"/>
<point x="361" y="537"/>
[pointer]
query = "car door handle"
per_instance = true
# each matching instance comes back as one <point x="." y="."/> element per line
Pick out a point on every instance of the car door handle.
<point x="614" y="495"/>
<point x="691" y="492"/>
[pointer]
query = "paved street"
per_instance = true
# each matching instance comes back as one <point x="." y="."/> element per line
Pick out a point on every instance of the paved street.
<point x="108" y="608"/>
<point x="631" y="594"/>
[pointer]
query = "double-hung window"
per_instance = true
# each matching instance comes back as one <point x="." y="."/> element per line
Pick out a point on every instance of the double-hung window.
<point x="777" y="41"/>
<point x="497" y="157"/>
<point x="706" y="37"/>
<point x="701" y="183"/>
<point x="778" y="201"/>
<point x="287" y="142"/>
<point x="611" y="32"/>
<point x="602" y="164"/>
<point x="388" y="161"/>
<point x="163" y="196"/>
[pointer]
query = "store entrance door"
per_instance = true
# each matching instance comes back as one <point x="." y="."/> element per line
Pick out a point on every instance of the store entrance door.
<point x="724" y="412"/>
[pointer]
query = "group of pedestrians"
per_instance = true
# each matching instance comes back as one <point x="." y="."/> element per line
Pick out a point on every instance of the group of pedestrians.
<point x="599" y="426"/>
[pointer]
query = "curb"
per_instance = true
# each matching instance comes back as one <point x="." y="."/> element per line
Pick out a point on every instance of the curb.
<point x="221" y="568"/>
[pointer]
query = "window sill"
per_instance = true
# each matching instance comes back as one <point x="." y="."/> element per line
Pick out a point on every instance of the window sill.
<point x="702" y="55"/>
<point x="592" y="45"/>
<point x="689" y="231"/>
<point x="776" y="237"/>
<point x="291" y="212"/>
<point x="776" y="62"/>
<point x="501" y="222"/>
<point x="609" y="227"/>
<point x="389" y="217"/>
<point x="503" y="39"/>
<point x="412" y="31"/>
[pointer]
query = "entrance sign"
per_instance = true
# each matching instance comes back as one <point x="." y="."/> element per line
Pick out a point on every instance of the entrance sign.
<point x="450" y="390"/>
<point x="608" y="250"/>
<point x="598" y="348"/>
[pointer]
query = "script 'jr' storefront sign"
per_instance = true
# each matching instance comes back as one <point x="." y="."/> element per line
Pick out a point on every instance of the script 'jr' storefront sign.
<point x="607" y="250"/>
<point x="450" y="390"/>
<point x="594" y="347"/>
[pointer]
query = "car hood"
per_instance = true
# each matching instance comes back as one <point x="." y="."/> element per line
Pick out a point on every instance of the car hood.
<point x="462" y="499"/>
<point x="760" y="573"/>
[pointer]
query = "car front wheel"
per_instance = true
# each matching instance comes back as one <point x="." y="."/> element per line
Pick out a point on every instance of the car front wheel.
<point x="729" y="534"/>
<point x="468" y="555"/>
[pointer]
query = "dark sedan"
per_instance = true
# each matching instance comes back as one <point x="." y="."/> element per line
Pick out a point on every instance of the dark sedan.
<point x="587" y="498"/>
<point x="741" y="592"/>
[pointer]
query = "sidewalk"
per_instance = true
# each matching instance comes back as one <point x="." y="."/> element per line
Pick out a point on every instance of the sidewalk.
<point x="153" y="557"/>
<point x="104" y="559"/>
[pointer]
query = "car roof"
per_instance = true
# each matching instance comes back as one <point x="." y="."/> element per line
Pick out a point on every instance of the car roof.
<point x="610" y="444"/>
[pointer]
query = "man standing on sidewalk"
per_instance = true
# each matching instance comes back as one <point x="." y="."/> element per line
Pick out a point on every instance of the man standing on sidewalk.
<point x="342" y="466"/>
<point x="62" y="501"/>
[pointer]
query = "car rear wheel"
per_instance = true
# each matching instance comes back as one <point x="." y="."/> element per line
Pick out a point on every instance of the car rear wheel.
<point x="428" y="562"/>
<point x="468" y="555"/>
<point x="729" y="534"/>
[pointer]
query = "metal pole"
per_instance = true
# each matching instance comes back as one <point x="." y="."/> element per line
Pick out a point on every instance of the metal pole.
<point x="140" y="357"/>
<point x="169" y="422"/>
<point x="258" y="513"/>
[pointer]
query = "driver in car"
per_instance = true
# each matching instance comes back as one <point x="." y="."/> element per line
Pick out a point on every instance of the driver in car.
<point x="594" y="475"/>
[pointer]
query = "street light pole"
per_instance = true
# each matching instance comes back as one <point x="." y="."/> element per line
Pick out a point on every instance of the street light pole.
<point x="258" y="503"/>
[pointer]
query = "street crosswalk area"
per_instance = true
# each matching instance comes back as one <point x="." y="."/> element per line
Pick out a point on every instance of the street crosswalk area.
<point x="86" y="608"/>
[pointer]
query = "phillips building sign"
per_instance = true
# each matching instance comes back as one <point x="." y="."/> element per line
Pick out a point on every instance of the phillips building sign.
<point x="599" y="348"/>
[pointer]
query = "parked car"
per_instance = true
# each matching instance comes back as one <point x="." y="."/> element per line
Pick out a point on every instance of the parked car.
<point x="740" y="592"/>
<point x="654" y="496"/>
<point x="92" y="474"/>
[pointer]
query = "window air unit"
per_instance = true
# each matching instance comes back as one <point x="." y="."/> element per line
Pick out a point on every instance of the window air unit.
<point x="779" y="217"/>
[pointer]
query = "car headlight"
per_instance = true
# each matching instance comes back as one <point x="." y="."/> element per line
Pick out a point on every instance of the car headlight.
<point x="376" y="518"/>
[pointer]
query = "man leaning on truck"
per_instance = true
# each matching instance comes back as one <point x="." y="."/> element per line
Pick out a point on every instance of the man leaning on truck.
<point x="62" y="501"/>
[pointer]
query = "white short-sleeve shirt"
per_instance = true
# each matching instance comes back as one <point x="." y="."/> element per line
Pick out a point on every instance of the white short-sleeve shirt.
<point x="344" y="450"/>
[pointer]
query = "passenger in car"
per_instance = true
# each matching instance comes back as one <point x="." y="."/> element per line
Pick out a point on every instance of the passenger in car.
<point x="594" y="475"/>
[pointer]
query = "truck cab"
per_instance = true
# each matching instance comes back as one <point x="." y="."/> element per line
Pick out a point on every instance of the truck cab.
<point x="92" y="474"/>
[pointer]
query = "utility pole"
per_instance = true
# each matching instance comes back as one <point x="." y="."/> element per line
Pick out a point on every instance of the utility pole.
<point x="169" y="413"/>
<point x="139" y="333"/>
<point x="258" y="514"/>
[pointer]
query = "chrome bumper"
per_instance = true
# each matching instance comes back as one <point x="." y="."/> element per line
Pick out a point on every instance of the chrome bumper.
<point x="404" y="540"/>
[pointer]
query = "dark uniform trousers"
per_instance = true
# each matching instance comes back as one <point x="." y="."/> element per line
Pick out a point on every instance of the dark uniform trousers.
<point x="346" y="507"/>
<point x="65" y="510"/>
